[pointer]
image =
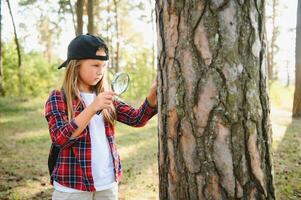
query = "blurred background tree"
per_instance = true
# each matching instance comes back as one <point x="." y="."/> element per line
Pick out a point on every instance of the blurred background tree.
<point x="272" y="47"/>
<point x="297" y="95"/>
<point x="114" y="20"/>
<point x="2" y="92"/>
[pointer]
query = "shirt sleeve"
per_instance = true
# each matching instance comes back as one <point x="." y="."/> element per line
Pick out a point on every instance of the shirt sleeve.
<point x="134" y="117"/>
<point x="60" y="128"/>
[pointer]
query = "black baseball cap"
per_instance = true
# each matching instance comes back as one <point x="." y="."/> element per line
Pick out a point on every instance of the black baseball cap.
<point x="85" y="47"/>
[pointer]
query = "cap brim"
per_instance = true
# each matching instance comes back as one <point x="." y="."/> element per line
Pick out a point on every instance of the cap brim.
<point x="64" y="64"/>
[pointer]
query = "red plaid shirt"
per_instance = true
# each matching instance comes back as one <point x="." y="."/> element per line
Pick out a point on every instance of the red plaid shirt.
<point x="74" y="167"/>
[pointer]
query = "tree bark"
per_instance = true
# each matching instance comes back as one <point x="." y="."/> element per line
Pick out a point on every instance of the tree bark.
<point x="90" y="5"/>
<point x="18" y="50"/>
<point x="2" y="91"/>
<point x="214" y="130"/>
<point x="79" y="16"/>
<point x="297" y="95"/>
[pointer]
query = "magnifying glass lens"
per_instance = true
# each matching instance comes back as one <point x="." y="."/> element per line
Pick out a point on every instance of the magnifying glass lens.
<point x="120" y="83"/>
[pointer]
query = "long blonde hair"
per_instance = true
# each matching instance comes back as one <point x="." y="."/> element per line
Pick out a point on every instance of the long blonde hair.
<point x="70" y="87"/>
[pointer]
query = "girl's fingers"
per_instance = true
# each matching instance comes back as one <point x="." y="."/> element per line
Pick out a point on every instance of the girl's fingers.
<point x="109" y="97"/>
<point x="108" y="103"/>
<point x="109" y="93"/>
<point x="106" y="97"/>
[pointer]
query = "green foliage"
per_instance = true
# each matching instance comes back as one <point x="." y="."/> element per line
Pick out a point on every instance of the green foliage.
<point x="38" y="76"/>
<point x="10" y="68"/>
<point x="49" y="19"/>
<point x="27" y="2"/>
<point x="139" y="68"/>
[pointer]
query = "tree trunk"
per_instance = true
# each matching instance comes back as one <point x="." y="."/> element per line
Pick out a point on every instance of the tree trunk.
<point x="288" y="77"/>
<point x="153" y="31"/>
<point x="18" y="50"/>
<point x="117" y="36"/>
<point x="297" y="95"/>
<point x="270" y="62"/>
<point x="79" y="16"/>
<point x="90" y="5"/>
<point x="2" y="91"/>
<point x="271" y="52"/>
<point x="73" y="18"/>
<point x="214" y="130"/>
<point x="109" y="37"/>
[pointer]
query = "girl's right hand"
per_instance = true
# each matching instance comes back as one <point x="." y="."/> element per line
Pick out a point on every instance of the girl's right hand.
<point x="103" y="100"/>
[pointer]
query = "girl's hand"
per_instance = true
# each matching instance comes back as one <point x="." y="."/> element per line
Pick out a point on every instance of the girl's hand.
<point x="152" y="94"/>
<point x="103" y="100"/>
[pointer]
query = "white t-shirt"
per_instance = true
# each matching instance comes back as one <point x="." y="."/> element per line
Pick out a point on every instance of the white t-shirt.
<point x="102" y="162"/>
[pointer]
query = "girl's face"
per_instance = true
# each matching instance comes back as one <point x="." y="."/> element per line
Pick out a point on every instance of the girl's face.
<point x="91" y="72"/>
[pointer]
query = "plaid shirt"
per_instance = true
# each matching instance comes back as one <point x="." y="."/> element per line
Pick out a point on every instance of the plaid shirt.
<point x="74" y="166"/>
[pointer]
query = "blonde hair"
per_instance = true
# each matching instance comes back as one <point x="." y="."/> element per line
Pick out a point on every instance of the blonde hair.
<point x="71" y="90"/>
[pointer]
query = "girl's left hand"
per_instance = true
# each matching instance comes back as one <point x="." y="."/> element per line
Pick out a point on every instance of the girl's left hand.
<point x="152" y="94"/>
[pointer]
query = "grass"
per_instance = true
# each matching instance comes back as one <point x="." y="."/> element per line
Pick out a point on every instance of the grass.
<point x="287" y="156"/>
<point x="286" y="144"/>
<point x="25" y="142"/>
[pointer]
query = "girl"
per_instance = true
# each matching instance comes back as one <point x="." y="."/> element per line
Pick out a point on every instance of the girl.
<point x="88" y="165"/>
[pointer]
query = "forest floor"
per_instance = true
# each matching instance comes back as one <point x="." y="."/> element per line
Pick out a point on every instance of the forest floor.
<point x="25" y="142"/>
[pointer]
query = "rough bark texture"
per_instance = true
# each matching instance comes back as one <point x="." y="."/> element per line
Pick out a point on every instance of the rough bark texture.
<point x="297" y="96"/>
<point x="214" y="130"/>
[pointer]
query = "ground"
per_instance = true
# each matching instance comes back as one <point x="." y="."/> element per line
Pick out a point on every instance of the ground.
<point x="25" y="142"/>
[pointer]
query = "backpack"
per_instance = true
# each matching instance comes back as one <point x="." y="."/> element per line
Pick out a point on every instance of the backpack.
<point x="52" y="157"/>
<point x="54" y="149"/>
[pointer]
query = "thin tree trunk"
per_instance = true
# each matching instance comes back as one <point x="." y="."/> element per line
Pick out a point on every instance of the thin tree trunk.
<point x="154" y="32"/>
<point x="117" y="36"/>
<point x="273" y="41"/>
<point x="214" y="131"/>
<point x="109" y="37"/>
<point x="270" y="61"/>
<point x="18" y="51"/>
<point x="297" y="95"/>
<point x="90" y="5"/>
<point x="79" y="16"/>
<point x="2" y="91"/>
<point x="272" y="72"/>
<point x="288" y="80"/>
<point x="73" y="18"/>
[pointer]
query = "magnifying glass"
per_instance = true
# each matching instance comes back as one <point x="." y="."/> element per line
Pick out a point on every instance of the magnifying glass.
<point x="120" y="84"/>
